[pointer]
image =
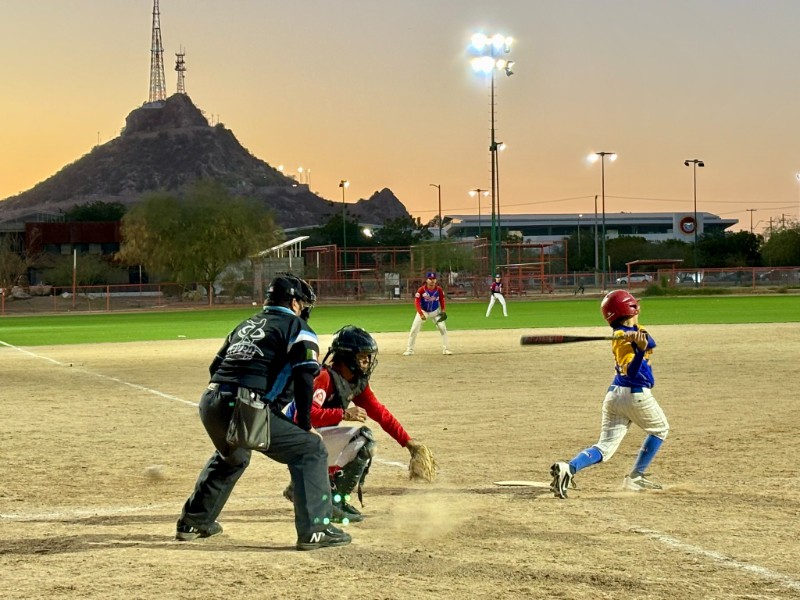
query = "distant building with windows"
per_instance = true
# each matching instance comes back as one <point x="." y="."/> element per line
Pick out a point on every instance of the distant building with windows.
<point x="654" y="227"/>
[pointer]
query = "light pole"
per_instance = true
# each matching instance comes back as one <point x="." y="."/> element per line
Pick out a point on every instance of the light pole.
<point x="478" y="192"/>
<point x="797" y="177"/>
<point x="595" y="239"/>
<point x="487" y="50"/>
<point x="695" y="162"/>
<point x="751" y="211"/>
<point x="439" y="188"/>
<point x="579" y="236"/>
<point x="612" y="156"/>
<point x="344" y="184"/>
<point x="307" y="172"/>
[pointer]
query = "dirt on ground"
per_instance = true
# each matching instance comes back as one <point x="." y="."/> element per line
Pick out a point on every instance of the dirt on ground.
<point x="101" y="446"/>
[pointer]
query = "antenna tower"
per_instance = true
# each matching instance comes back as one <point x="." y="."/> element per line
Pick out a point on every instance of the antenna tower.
<point x="157" y="85"/>
<point x="180" y="67"/>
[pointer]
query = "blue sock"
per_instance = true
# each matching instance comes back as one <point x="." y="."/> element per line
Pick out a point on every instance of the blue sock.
<point x="585" y="458"/>
<point x="647" y="453"/>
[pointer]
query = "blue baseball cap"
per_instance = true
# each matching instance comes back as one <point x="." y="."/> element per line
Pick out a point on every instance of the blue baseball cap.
<point x="430" y="275"/>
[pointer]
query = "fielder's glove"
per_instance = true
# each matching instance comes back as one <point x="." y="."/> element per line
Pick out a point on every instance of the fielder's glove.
<point x="442" y="317"/>
<point x="422" y="465"/>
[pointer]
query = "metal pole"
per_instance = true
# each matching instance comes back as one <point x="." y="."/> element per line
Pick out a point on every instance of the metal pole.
<point x="694" y="187"/>
<point x="492" y="155"/>
<point x="603" y="192"/>
<point x="344" y="231"/>
<point x="595" y="237"/>
<point x="439" y="188"/>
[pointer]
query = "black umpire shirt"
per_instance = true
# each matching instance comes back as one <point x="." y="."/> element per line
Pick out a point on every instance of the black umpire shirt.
<point x="274" y="353"/>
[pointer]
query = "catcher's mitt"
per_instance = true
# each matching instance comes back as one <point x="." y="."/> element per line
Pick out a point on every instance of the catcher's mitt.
<point x="442" y="316"/>
<point x="422" y="464"/>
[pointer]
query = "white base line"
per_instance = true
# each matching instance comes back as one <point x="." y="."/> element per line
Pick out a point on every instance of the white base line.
<point x="716" y="557"/>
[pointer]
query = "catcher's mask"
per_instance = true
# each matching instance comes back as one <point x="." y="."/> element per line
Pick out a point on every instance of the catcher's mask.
<point x="285" y="288"/>
<point x="617" y="305"/>
<point x="348" y="343"/>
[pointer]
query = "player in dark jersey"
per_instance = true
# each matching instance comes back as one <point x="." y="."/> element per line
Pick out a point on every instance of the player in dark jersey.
<point x="496" y="295"/>
<point x="273" y="356"/>
<point x="429" y="303"/>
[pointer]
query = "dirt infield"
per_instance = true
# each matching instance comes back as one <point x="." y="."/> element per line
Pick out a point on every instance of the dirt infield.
<point x="101" y="445"/>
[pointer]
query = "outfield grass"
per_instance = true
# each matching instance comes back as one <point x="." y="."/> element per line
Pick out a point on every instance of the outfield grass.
<point x="202" y="324"/>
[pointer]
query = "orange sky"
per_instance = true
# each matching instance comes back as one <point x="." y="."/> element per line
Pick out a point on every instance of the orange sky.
<point x="381" y="93"/>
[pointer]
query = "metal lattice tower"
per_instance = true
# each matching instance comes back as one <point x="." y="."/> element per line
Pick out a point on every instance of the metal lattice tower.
<point x="158" y="88"/>
<point x="180" y="67"/>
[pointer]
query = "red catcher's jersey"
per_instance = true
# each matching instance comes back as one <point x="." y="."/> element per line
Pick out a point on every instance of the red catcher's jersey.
<point x="326" y="408"/>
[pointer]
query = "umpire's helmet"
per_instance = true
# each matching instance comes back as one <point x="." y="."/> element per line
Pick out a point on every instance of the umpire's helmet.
<point x="617" y="305"/>
<point x="284" y="288"/>
<point x="351" y="341"/>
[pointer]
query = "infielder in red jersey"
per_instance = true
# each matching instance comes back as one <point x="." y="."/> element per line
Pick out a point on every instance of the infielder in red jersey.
<point x="628" y="400"/>
<point x="429" y="302"/>
<point x="496" y="295"/>
<point x="342" y="393"/>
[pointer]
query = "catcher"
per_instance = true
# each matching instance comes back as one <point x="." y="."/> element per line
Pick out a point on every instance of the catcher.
<point x="342" y="393"/>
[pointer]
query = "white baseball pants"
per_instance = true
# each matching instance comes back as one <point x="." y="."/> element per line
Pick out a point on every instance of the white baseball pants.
<point x="417" y="325"/>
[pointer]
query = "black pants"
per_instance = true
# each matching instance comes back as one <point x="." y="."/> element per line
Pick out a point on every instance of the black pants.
<point x="302" y="451"/>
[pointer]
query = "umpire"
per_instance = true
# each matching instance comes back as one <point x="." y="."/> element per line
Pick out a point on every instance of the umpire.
<point x="273" y="356"/>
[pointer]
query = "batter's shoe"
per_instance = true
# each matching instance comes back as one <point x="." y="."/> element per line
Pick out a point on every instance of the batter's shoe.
<point x="638" y="482"/>
<point x="187" y="533"/>
<point x="329" y="537"/>
<point x="562" y="478"/>
<point x="446" y="352"/>
<point x="408" y="353"/>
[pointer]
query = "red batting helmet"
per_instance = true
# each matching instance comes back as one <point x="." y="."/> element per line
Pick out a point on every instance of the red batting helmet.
<point x="617" y="305"/>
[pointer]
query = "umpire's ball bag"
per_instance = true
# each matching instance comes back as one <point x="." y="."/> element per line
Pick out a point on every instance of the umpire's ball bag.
<point x="249" y="426"/>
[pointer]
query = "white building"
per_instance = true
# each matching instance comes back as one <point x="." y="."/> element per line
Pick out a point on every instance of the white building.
<point x="654" y="227"/>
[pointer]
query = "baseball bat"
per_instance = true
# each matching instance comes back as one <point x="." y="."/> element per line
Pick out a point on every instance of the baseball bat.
<point x="535" y="340"/>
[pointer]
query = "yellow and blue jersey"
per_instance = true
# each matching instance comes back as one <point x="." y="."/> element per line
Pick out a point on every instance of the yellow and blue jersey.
<point x="632" y="365"/>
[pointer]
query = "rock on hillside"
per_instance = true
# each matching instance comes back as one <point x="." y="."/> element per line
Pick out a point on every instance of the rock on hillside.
<point x="168" y="147"/>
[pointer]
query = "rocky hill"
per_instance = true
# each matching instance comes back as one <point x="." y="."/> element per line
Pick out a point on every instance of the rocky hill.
<point x="169" y="146"/>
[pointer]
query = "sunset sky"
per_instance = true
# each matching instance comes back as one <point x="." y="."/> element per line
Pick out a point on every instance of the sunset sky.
<point x="380" y="92"/>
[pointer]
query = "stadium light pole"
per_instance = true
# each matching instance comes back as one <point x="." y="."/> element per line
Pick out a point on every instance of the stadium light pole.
<point x="344" y="184"/>
<point x="487" y="50"/>
<point x="478" y="192"/>
<point x="797" y="177"/>
<point x="438" y="186"/>
<point x="593" y="157"/>
<point x="695" y="162"/>
<point x="580" y="216"/>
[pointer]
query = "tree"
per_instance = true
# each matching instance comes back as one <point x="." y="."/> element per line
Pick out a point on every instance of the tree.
<point x="402" y="231"/>
<point x="194" y="238"/>
<point x="14" y="262"/>
<point x="782" y="249"/>
<point x="96" y="211"/>
<point x="739" y="249"/>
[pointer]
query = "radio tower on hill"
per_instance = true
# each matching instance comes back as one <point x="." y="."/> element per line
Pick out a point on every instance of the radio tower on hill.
<point x="158" y="92"/>
<point x="180" y="67"/>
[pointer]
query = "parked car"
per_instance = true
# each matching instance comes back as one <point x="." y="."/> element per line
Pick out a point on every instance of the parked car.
<point x="635" y="278"/>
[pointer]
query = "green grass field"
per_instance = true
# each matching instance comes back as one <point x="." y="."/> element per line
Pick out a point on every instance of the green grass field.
<point x="202" y="324"/>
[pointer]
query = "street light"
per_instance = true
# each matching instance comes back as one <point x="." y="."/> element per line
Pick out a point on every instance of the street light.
<point x="487" y="49"/>
<point x="612" y="156"/>
<point x="344" y="184"/>
<point x="439" y="187"/>
<point x="797" y="177"/>
<point x="479" y="192"/>
<point x="695" y="162"/>
<point x="579" y="236"/>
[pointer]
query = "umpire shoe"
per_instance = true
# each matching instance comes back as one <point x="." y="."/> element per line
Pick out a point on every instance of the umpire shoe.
<point x="562" y="478"/>
<point x="328" y="537"/>
<point x="187" y="533"/>
<point x="638" y="482"/>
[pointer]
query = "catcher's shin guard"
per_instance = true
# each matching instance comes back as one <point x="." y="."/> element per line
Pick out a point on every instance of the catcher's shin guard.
<point x="352" y="475"/>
